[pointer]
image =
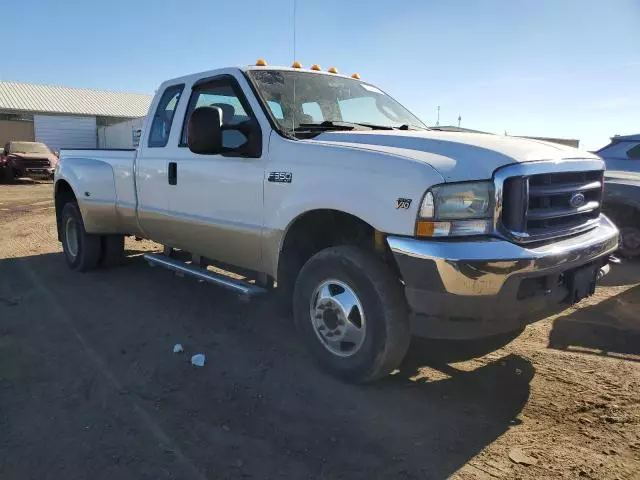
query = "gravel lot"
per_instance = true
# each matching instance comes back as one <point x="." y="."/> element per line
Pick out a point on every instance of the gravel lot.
<point x="90" y="388"/>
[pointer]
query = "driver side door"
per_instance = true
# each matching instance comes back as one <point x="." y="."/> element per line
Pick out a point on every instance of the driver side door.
<point x="217" y="200"/>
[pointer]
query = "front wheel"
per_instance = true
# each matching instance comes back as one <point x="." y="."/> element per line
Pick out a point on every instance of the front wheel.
<point x="351" y="312"/>
<point x="81" y="249"/>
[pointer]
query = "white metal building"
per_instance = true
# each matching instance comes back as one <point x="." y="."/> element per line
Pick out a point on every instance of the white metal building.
<point x="124" y="134"/>
<point x="63" y="117"/>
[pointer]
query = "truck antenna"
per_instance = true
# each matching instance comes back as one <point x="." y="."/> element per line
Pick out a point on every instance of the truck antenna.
<point x="438" y="120"/>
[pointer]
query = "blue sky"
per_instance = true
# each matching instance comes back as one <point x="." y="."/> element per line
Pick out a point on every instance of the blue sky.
<point x="567" y="68"/>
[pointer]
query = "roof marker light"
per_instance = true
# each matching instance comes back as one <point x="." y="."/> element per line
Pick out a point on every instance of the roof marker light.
<point x="316" y="67"/>
<point x="261" y="62"/>
<point x="296" y="64"/>
<point x="332" y="70"/>
<point x="356" y="76"/>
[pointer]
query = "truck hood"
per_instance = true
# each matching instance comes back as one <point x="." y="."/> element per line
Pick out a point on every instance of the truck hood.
<point x="456" y="156"/>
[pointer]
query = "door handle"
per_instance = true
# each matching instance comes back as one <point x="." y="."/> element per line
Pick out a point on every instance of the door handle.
<point x="173" y="173"/>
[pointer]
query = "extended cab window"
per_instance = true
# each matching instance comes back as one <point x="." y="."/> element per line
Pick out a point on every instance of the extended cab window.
<point x="161" y="125"/>
<point x="226" y="96"/>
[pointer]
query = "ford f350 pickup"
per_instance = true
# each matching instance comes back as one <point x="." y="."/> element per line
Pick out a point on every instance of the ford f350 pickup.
<point x="374" y="227"/>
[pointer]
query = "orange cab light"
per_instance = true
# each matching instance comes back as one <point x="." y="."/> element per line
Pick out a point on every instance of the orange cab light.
<point x="356" y="76"/>
<point x="296" y="64"/>
<point x="425" y="229"/>
<point x="333" y="70"/>
<point x="261" y="62"/>
<point x="316" y="67"/>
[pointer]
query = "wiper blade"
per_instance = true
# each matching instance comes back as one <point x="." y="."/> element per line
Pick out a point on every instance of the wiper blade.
<point x="411" y="127"/>
<point x="326" y="125"/>
<point x="375" y="127"/>
<point x="342" y="125"/>
<point x="405" y="126"/>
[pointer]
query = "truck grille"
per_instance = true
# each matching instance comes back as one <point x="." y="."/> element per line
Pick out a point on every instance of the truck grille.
<point x="35" y="163"/>
<point x="551" y="204"/>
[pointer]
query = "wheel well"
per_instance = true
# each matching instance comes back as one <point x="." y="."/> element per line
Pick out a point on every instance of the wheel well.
<point x="319" y="229"/>
<point x="63" y="195"/>
<point x="622" y="214"/>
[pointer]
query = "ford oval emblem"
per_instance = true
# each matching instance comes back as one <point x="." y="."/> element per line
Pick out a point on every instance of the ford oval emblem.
<point x="577" y="200"/>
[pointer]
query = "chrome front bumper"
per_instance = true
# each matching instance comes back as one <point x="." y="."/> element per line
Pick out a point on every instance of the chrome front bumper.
<point x="482" y="280"/>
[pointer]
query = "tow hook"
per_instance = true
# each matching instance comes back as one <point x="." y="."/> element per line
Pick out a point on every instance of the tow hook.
<point x="614" y="259"/>
<point x="606" y="267"/>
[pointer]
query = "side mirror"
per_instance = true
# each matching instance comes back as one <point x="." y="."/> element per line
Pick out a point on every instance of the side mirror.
<point x="204" y="131"/>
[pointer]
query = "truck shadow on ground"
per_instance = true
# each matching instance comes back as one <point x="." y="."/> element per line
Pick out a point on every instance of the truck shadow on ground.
<point x="259" y="407"/>
<point x="612" y="326"/>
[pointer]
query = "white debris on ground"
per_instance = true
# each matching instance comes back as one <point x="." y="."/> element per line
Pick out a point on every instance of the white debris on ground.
<point x="198" y="360"/>
<point x="177" y="348"/>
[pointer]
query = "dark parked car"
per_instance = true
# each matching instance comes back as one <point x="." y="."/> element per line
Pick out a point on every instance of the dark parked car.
<point x="27" y="159"/>
<point x="622" y="205"/>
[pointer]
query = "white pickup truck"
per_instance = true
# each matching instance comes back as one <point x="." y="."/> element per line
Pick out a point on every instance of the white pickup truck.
<point x="374" y="226"/>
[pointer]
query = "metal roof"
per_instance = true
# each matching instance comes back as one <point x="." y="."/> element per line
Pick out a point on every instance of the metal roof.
<point x="76" y="101"/>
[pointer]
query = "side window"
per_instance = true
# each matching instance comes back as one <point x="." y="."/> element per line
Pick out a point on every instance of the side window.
<point x="161" y="125"/>
<point x="313" y="110"/>
<point x="634" y="152"/>
<point x="235" y="110"/>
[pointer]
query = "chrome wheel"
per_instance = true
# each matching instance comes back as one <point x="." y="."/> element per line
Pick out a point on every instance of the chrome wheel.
<point x="71" y="236"/>
<point x="338" y="318"/>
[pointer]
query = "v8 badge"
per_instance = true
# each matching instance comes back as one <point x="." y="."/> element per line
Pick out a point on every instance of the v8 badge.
<point x="403" y="203"/>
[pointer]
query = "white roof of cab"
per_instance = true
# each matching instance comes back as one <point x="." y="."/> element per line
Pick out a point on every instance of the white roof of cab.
<point x="193" y="77"/>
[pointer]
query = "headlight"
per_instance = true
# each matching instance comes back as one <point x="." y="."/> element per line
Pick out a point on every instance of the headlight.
<point x="456" y="209"/>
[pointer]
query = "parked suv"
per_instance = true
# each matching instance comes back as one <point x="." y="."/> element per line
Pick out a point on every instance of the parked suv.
<point x="27" y="159"/>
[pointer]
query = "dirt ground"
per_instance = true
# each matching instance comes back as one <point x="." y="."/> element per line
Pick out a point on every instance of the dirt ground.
<point x="90" y="388"/>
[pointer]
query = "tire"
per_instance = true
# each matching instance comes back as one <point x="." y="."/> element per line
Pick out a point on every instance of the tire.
<point x="6" y="175"/>
<point x="81" y="250"/>
<point x="627" y="219"/>
<point x="629" y="241"/>
<point x="378" y="321"/>
<point x="112" y="250"/>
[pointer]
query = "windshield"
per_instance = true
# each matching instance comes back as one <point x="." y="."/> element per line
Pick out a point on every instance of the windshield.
<point x="297" y="99"/>
<point x="29" y="147"/>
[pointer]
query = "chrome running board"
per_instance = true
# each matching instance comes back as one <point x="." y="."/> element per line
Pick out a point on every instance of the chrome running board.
<point x="179" y="267"/>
